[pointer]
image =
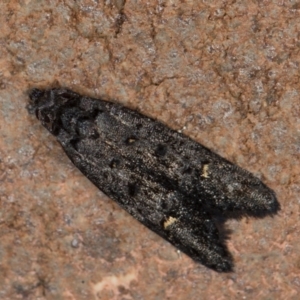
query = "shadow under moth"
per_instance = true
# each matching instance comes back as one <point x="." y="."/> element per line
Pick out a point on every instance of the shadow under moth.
<point x="170" y="183"/>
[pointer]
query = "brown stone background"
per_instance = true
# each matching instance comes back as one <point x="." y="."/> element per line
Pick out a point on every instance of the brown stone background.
<point x="226" y="73"/>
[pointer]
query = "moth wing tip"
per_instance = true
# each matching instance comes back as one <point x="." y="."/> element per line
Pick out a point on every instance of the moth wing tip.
<point x="272" y="205"/>
<point x="221" y="265"/>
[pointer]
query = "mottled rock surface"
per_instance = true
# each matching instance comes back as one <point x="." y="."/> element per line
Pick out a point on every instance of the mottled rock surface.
<point x="226" y="73"/>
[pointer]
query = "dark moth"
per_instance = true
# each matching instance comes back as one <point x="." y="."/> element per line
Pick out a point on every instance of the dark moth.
<point x="171" y="184"/>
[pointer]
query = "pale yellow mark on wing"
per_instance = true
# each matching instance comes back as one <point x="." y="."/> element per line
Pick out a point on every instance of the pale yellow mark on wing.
<point x="169" y="222"/>
<point x="108" y="143"/>
<point x="205" y="171"/>
<point x="131" y="141"/>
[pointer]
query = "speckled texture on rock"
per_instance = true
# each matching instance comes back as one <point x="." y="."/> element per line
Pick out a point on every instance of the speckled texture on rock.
<point x="224" y="72"/>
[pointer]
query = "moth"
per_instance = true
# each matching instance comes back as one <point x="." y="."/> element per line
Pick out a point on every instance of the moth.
<point x="170" y="183"/>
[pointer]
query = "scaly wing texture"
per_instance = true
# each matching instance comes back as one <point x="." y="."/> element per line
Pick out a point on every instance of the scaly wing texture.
<point x="167" y="181"/>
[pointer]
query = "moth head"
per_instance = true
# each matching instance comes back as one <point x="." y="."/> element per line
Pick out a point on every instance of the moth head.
<point x="48" y="106"/>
